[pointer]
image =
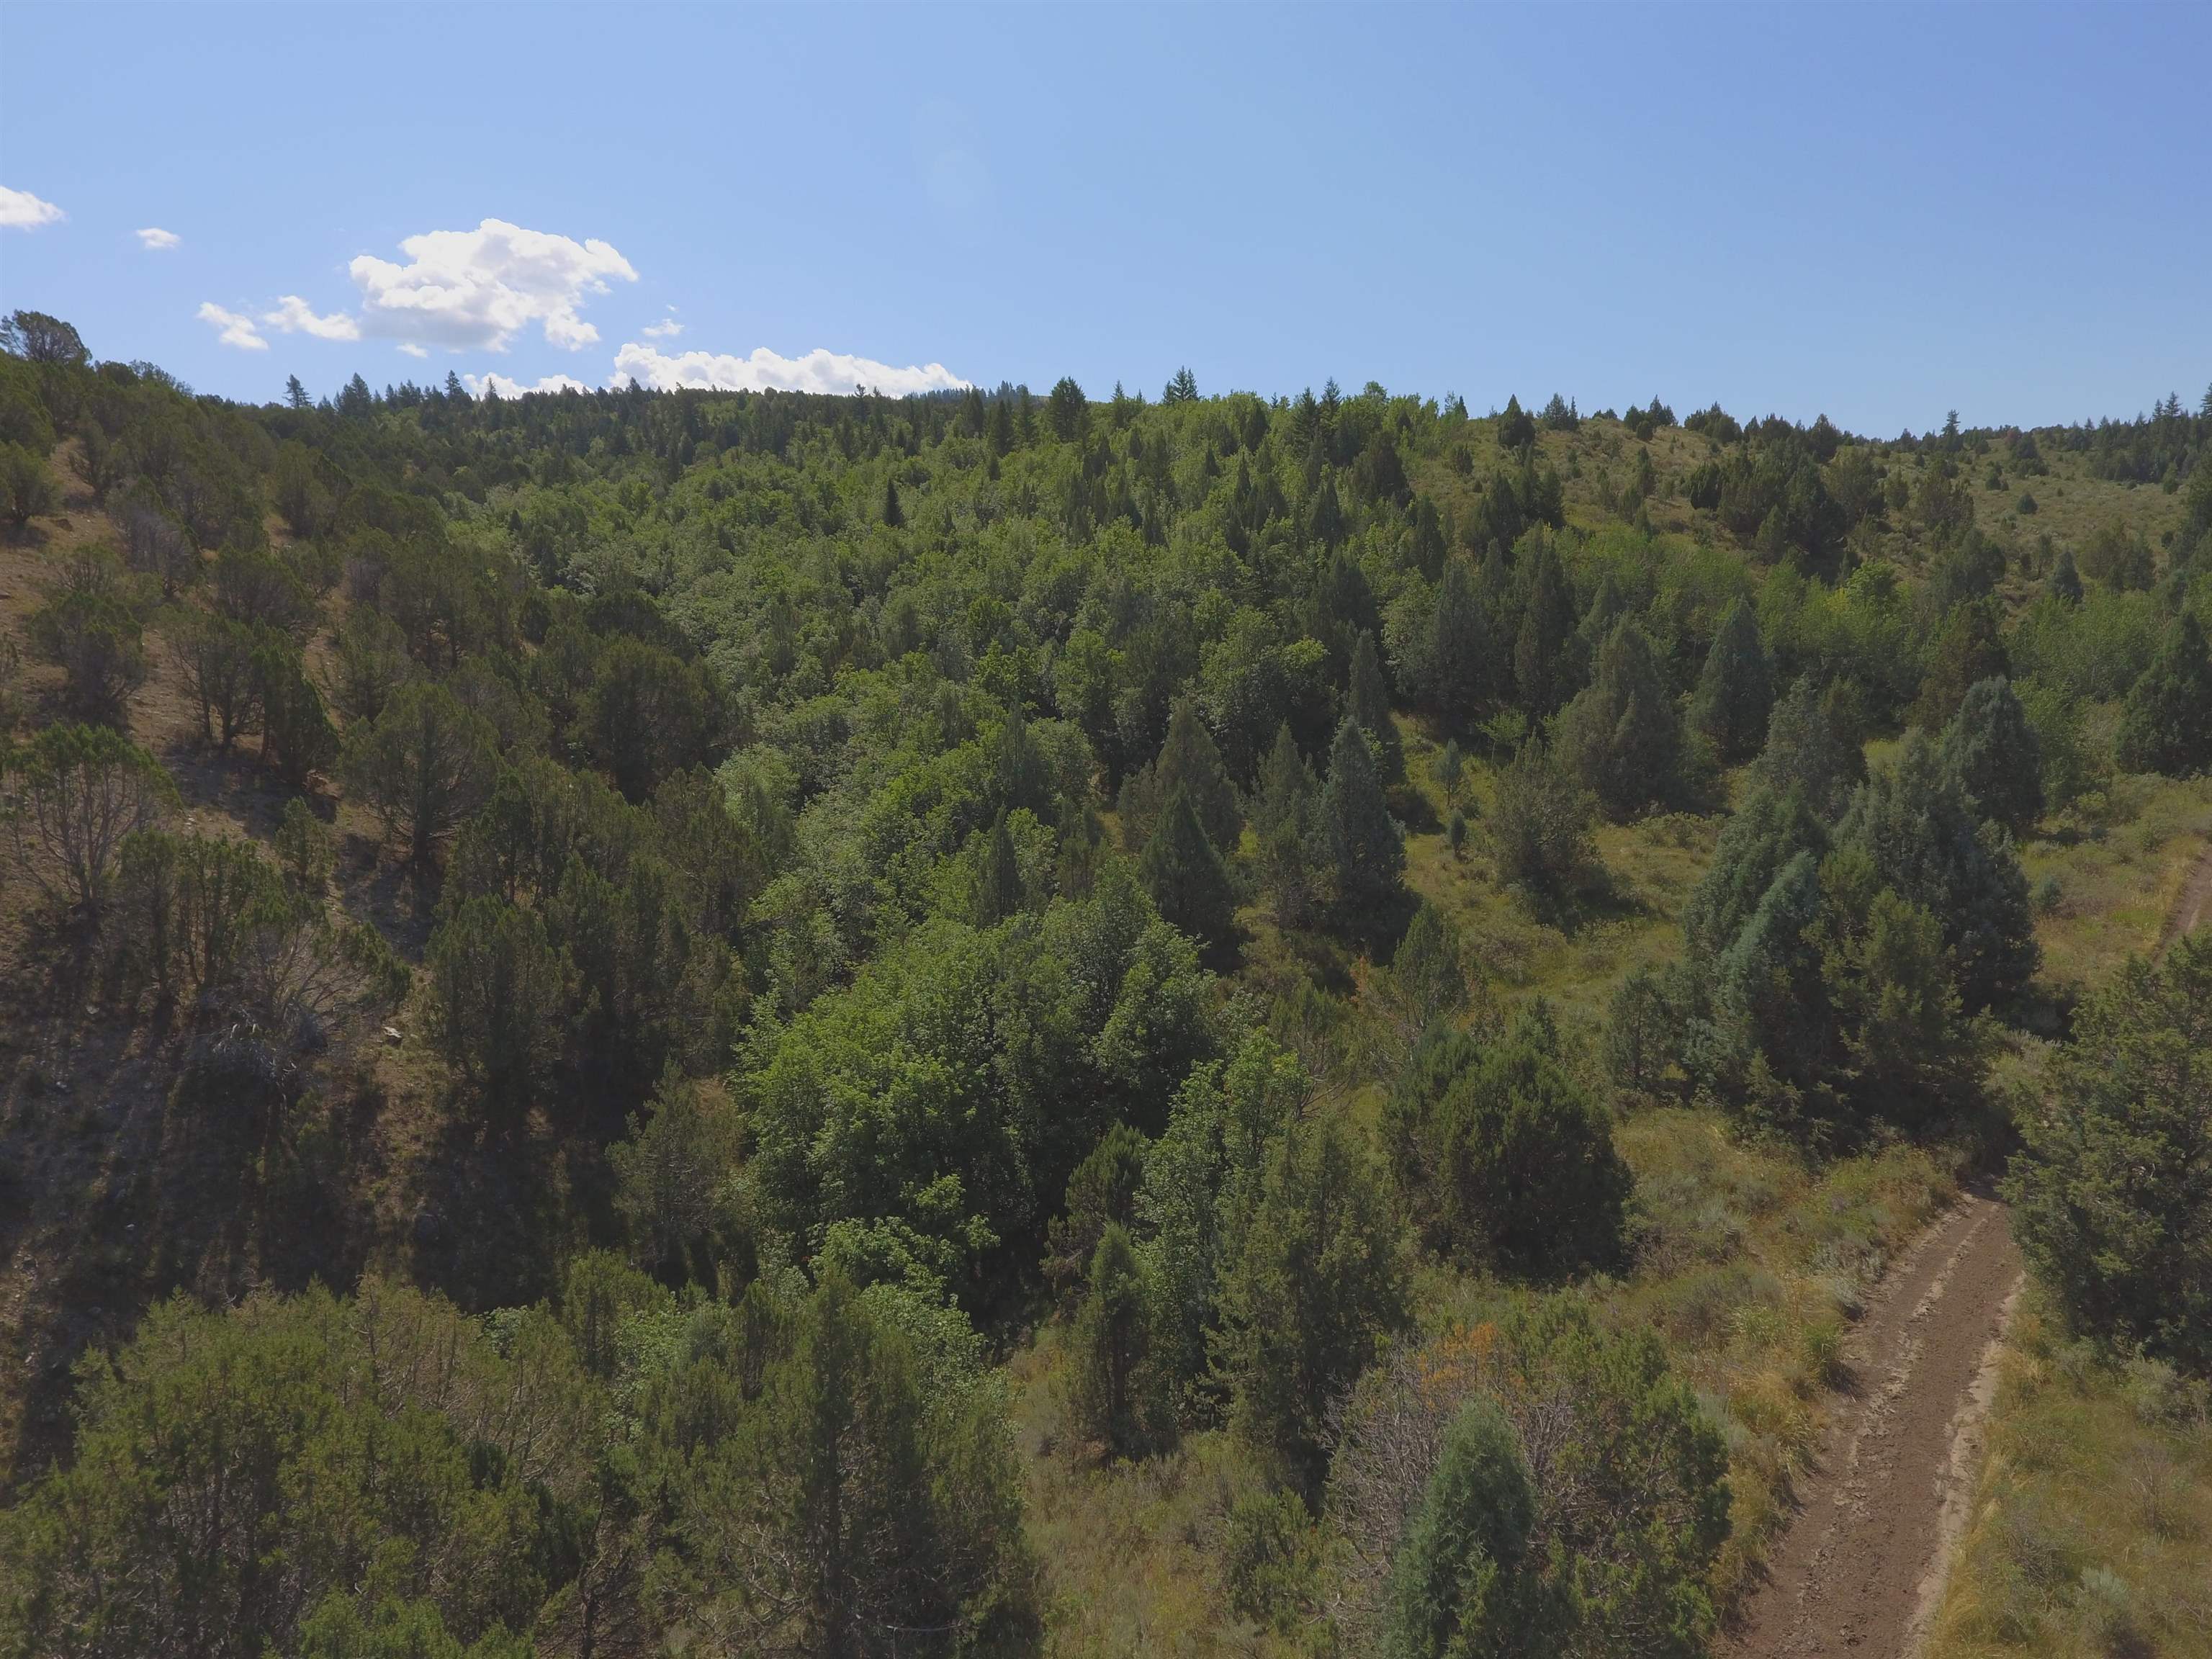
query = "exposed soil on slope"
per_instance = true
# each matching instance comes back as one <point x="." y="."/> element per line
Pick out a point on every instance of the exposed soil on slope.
<point x="1860" y="1570"/>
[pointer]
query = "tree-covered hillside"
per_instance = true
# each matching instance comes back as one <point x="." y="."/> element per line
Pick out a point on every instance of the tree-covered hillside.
<point x="784" y="1025"/>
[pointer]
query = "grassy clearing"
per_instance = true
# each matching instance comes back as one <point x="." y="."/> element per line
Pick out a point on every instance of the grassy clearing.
<point x="2119" y="867"/>
<point x="2094" y="1510"/>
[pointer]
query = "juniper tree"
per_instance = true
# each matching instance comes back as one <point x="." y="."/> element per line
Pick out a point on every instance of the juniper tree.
<point x="1190" y="761"/>
<point x="1457" y="662"/>
<point x="1542" y="672"/>
<point x="1814" y="745"/>
<point x="1284" y="813"/>
<point x="1918" y="831"/>
<point x="1307" y="1301"/>
<point x="1621" y="735"/>
<point x="1113" y="1390"/>
<point x="1991" y="750"/>
<point x="1366" y="847"/>
<point x="2166" y="724"/>
<point x="1735" y="692"/>
<point x="1368" y="703"/>
<point x="1185" y="875"/>
<point x="1465" y="1581"/>
<point x="2111" y="1190"/>
<point x="1967" y="650"/>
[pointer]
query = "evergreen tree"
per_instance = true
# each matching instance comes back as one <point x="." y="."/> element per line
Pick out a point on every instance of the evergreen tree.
<point x="1190" y="761"/>
<point x="1370" y="705"/>
<point x="2166" y="725"/>
<point x="1284" y="823"/>
<point x="1621" y="735"/>
<point x="1066" y="411"/>
<point x="1921" y="837"/>
<point x="2111" y="1189"/>
<point x="1504" y="1161"/>
<point x="1306" y="1301"/>
<point x="1966" y="650"/>
<point x="1458" y="657"/>
<point x="999" y="891"/>
<point x="893" y="516"/>
<point x="1366" y="845"/>
<point x="1540" y="823"/>
<point x="1991" y="749"/>
<point x="1463" y="1585"/>
<point x="1908" y="1049"/>
<point x="1185" y="875"/>
<point x="1111" y="1351"/>
<point x="296" y="395"/>
<point x="1814" y="745"/>
<point x="422" y="766"/>
<point x="1325" y="522"/>
<point x="1771" y="996"/>
<point x="869" y="1499"/>
<point x="1543" y="672"/>
<point x="1756" y="844"/>
<point x="496" y="987"/>
<point x="1735" y="692"/>
<point x="1517" y="427"/>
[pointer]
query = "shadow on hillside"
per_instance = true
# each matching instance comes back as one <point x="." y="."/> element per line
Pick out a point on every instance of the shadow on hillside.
<point x="137" y="1161"/>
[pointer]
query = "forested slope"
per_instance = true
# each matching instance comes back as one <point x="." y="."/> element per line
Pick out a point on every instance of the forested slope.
<point x="760" y="1023"/>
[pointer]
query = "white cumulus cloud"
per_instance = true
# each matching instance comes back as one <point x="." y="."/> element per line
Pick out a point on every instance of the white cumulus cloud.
<point x="480" y="384"/>
<point x="235" y="330"/>
<point x="412" y="349"/>
<point x="666" y="329"/>
<point x="158" y="239"/>
<point x="21" y="210"/>
<point x="765" y="370"/>
<point x="476" y="289"/>
<point x="293" y="315"/>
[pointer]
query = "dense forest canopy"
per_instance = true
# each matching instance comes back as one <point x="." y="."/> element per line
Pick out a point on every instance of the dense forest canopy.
<point x="851" y="896"/>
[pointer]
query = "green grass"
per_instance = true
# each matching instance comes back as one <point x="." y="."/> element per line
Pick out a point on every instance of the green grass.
<point x="2092" y="1524"/>
<point x="2119" y="863"/>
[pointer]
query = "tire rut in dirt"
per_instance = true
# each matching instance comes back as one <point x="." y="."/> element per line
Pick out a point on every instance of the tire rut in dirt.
<point x="1850" y="1573"/>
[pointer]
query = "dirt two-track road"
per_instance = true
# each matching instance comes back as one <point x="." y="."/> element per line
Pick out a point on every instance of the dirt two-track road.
<point x="1860" y="1570"/>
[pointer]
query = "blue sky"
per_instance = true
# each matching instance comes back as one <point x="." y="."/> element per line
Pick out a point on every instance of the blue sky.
<point x="1877" y="212"/>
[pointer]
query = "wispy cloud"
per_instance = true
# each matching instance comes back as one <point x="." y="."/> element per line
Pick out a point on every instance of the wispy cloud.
<point x="234" y="330"/>
<point x="159" y="240"/>
<point x="293" y="315"/>
<point x="21" y="210"/>
<point x="765" y="370"/>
